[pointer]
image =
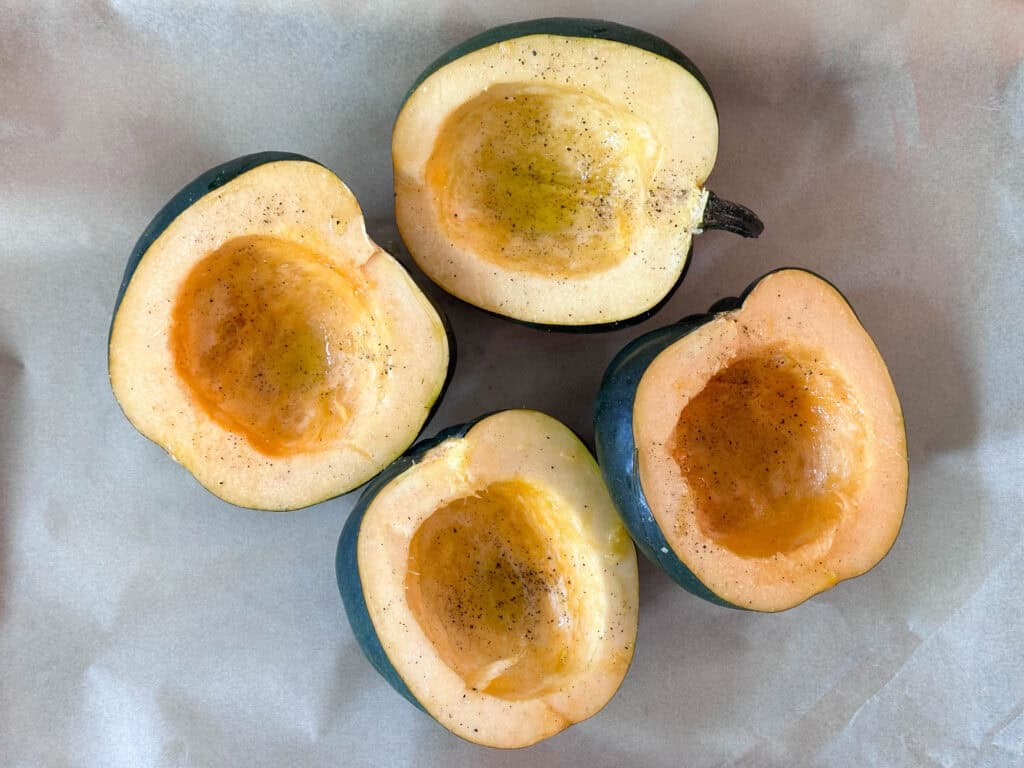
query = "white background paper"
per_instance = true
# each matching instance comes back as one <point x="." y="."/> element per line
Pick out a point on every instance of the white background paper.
<point x="145" y="623"/>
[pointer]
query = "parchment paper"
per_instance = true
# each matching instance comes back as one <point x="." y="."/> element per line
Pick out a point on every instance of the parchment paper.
<point x="145" y="623"/>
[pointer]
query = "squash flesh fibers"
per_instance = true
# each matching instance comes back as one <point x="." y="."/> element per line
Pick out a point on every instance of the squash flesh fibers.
<point x="542" y="178"/>
<point x="274" y="343"/>
<point x="494" y="594"/>
<point x="770" y="450"/>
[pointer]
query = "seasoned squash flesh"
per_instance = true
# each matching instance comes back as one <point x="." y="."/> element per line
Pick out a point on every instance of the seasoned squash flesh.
<point x="275" y="343"/>
<point x="771" y="450"/>
<point x="496" y="597"/>
<point x="542" y="178"/>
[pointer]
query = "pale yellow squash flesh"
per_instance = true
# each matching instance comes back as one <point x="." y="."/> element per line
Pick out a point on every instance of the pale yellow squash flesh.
<point x="271" y="347"/>
<point x="501" y="582"/>
<point x="540" y="176"/>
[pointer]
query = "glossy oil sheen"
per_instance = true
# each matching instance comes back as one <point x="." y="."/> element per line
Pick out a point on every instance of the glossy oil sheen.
<point x="542" y="178"/>
<point x="274" y="343"/>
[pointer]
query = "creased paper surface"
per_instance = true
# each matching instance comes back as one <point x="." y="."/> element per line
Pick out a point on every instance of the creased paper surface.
<point x="145" y="623"/>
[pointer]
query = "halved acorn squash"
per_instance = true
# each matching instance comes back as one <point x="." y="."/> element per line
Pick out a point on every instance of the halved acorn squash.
<point x="552" y="171"/>
<point x="267" y="343"/>
<point x="489" y="579"/>
<point x="757" y="453"/>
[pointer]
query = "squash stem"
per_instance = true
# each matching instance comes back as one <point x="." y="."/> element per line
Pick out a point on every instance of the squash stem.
<point x="732" y="217"/>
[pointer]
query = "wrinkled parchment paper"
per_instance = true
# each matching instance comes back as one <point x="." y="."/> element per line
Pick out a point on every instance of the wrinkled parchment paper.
<point x="145" y="623"/>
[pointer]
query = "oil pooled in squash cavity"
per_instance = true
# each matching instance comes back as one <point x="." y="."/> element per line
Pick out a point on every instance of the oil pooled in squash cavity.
<point x="494" y="595"/>
<point x="274" y="343"/>
<point x="542" y="178"/>
<point x="770" y="450"/>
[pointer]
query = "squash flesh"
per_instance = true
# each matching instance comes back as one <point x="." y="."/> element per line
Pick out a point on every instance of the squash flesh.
<point x="533" y="469"/>
<point x="301" y="202"/>
<point x="666" y="128"/>
<point x="542" y="178"/>
<point x="799" y="313"/>
<point x="492" y="593"/>
<point x="273" y="341"/>
<point x="769" y="449"/>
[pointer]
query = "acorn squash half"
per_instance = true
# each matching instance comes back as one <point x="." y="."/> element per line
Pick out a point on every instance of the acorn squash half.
<point x="489" y="579"/>
<point x="267" y="343"/>
<point x="757" y="453"/>
<point x="552" y="171"/>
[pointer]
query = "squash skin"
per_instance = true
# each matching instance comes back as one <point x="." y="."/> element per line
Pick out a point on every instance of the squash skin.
<point x="616" y="447"/>
<point x="212" y="180"/>
<point x="583" y="28"/>
<point x="346" y="565"/>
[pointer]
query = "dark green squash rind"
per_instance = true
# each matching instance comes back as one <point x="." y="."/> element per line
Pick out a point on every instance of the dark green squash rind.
<point x="616" y="447"/>
<point x="594" y="29"/>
